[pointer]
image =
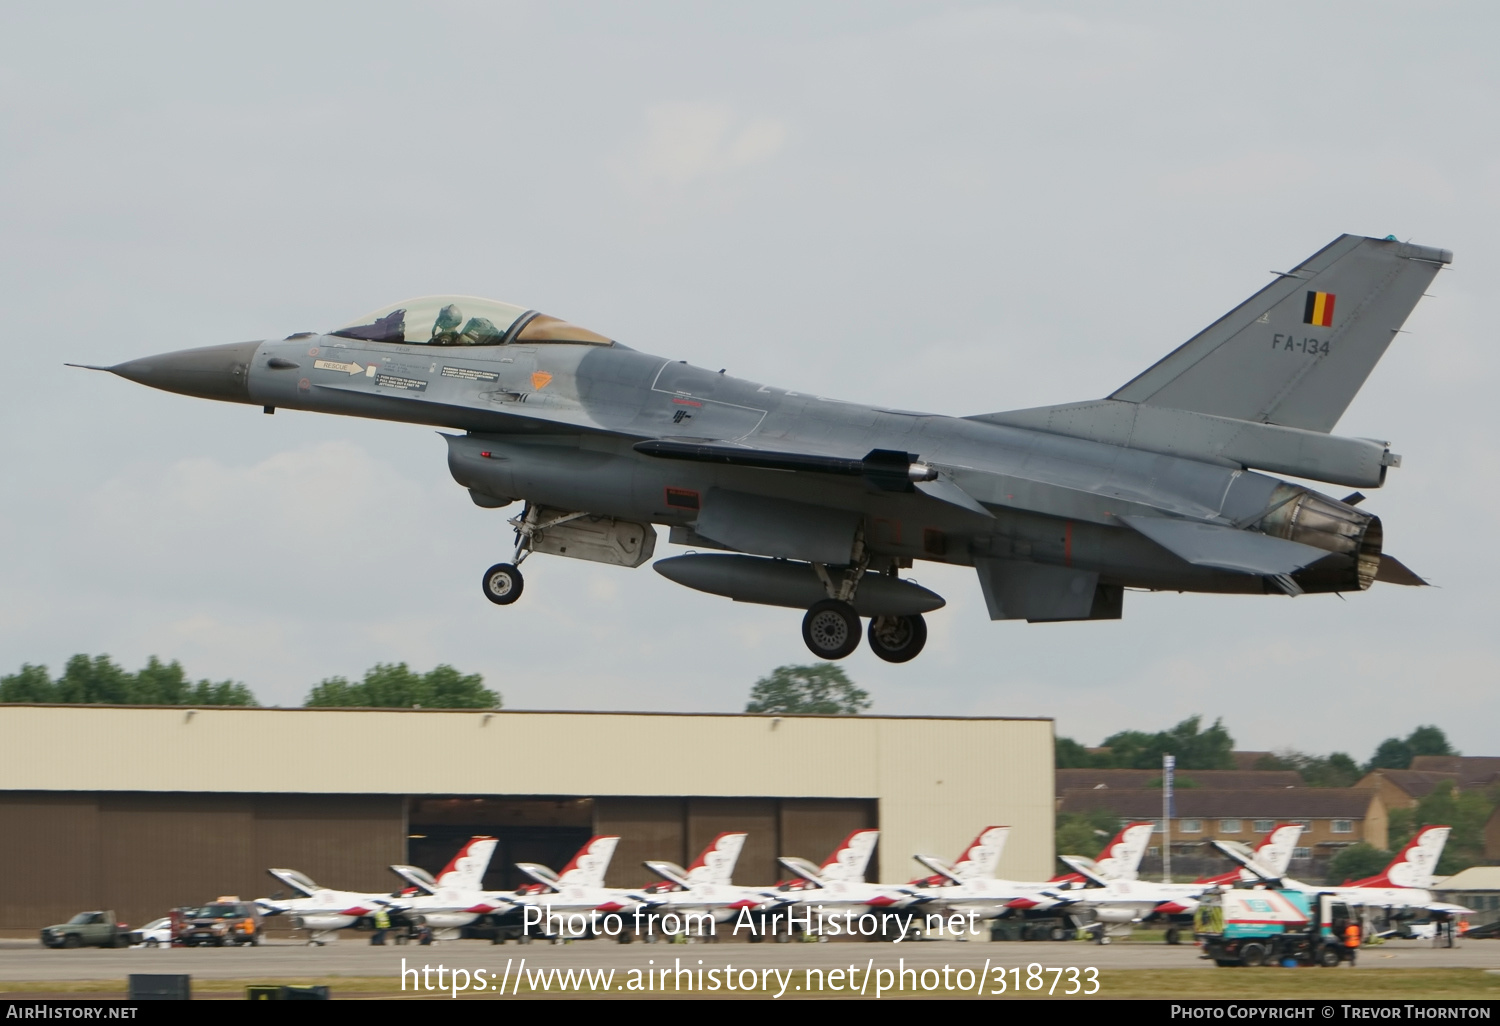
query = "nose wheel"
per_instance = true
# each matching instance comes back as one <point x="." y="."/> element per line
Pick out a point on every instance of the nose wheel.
<point x="897" y="639"/>
<point x="831" y="629"/>
<point x="503" y="583"/>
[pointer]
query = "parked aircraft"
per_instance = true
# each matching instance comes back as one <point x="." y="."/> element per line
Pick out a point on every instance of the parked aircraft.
<point x="706" y="886"/>
<point x="819" y="504"/>
<point x="323" y="911"/>
<point x="454" y="898"/>
<point x="836" y="885"/>
<point x="577" y="888"/>
<point x="988" y="897"/>
<point x="1405" y="883"/>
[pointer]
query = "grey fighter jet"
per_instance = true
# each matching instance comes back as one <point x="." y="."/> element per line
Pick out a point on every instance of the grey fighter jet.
<point x="818" y="504"/>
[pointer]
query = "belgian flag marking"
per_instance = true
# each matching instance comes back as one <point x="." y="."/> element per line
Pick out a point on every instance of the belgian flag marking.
<point x="1319" y="309"/>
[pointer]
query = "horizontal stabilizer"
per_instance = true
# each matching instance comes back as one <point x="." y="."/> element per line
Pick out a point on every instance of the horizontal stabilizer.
<point x="1226" y="548"/>
<point x="1393" y="571"/>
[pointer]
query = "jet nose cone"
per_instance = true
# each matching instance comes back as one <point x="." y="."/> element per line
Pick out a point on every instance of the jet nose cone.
<point x="213" y="372"/>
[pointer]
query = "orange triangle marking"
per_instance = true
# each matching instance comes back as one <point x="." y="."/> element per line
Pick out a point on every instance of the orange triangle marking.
<point x="540" y="380"/>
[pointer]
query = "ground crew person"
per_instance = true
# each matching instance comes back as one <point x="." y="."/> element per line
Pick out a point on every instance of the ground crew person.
<point x="382" y="924"/>
<point x="1351" y="942"/>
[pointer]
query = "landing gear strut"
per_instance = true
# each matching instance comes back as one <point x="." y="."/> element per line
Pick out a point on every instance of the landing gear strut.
<point x="502" y="582"/>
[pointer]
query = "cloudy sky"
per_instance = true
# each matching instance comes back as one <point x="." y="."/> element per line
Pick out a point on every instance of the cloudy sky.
<point x="944" y="206"/>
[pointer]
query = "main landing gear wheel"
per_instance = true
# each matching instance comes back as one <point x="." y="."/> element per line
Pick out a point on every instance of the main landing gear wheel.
<point x="897" y="639"/>
<point x="503" y="584"/>
<point x="831" y="629"/>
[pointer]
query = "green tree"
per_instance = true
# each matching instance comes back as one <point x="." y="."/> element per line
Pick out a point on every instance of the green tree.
<point x="1397" y="753"/>
<point x="1069" y="754"/>
<point x="1334" y="770"/>
<point x="100" y="680"/>
<point x="397" y="686"/>
<point x="1084" y="833"/>
<point x="1356" y="862"/>
<point x="1392" y="753"/>
<point x="819" y="688"/>
<point x="29" y="684"/>
<point x="1194" y="747"/>
<point x="1429" y="740"/>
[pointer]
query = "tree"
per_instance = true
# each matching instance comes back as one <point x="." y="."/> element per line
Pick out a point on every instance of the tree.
<point x="1334" y="770"/>
<point x="1193" y="747"/>
<point x="1392" y="753"/>
<point x="1356" y="862"/>
<point x="99" y="680"/>
<point x="820" y="688"/>
<point x="1069" y="754"/>
<point x="1396" y="753"/>
<point x="1429" y="740"/>
<point x="397" y="686"/>
<point x="1084" y="833"/>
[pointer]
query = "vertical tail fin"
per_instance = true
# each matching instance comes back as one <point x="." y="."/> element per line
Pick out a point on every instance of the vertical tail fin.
<point x="1121" y="857"/>
<point x="1413" y="866"/>
<point x="850" y="859"/>
<point x="981" y="858"/>
<point x="1297" y="351"/>
<point x="466" y="869"/>
<point x="715" y="865"/>
<point x="1275" y="851"/>
<point x="587" y="868"/>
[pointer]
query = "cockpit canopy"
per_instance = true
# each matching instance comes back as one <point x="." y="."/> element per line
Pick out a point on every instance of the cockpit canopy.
<point x="464" y="321"/>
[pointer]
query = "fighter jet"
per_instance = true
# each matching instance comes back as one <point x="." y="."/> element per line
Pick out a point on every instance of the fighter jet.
<point x="819" y="504"/>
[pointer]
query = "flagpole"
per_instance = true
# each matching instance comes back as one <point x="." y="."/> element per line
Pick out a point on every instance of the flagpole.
<point x="1168" y="764"/>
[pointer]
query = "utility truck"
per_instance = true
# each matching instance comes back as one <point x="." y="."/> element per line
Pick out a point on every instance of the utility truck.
<point x="1238" y="926"/>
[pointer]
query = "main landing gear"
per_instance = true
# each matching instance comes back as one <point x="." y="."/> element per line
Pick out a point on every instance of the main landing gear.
<point x="831" y="631"/>
<point x="831" y="627"/>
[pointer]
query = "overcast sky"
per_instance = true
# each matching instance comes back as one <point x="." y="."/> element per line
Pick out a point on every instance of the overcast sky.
<point x="953" y="207"/>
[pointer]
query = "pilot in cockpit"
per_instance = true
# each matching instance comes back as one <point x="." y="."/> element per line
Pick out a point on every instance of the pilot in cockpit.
<point x="445" y="328"/>
<point x="479" y="331"/>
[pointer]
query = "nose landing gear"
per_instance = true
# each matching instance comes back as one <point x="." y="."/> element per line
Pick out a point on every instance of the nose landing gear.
<point x="503" y="583"/>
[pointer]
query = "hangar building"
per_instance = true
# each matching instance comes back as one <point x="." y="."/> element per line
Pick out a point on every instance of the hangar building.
<point x="139" y="809"/>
